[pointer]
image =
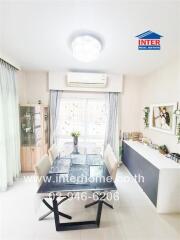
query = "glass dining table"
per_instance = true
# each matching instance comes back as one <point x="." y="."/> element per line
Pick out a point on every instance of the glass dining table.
<point x="74" y="174"/>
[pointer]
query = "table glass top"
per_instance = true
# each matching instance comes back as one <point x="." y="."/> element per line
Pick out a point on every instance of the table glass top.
<point x="77" y="172"/>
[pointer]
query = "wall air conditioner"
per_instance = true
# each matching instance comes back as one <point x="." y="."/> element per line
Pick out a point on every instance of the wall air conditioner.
<point x="86" y="80"/>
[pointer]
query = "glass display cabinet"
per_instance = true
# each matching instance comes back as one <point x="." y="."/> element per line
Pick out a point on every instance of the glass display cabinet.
<point x="34" y="134"/>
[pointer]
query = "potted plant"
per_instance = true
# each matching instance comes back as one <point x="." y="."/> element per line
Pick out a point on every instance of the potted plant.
<point x="178" y="132"/>
<point x="177" y="113"/>
<point x="75" y="136"/>
<point x="146" y="117"/>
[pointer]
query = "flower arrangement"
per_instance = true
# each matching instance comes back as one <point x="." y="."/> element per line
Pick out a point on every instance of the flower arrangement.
<point x="75" y="134"/>
<point x="146" y="117"/>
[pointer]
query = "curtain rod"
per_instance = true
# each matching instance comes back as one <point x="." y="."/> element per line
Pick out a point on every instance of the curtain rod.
<point x="12" y="65"/>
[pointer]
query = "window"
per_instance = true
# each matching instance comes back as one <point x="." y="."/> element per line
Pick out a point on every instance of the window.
<point x="84" y="113"/>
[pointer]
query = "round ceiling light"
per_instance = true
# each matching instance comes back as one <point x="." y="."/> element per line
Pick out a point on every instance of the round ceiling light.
<point x="86" y="48"/>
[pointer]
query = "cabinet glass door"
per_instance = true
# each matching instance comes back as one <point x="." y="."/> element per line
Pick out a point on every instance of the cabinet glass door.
<point x="30" y="119"/>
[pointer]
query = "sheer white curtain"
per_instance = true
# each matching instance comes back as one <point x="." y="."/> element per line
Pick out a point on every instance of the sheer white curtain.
<point x="9" y="127"/>
<point x="112" y="127"/>
<point x="54" y="106"/>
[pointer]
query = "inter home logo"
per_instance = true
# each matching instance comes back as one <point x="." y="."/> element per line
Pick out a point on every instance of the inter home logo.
<point x="149" y="41"/>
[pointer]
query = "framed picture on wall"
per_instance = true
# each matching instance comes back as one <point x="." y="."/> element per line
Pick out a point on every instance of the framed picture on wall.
<point x="162" y="117"/>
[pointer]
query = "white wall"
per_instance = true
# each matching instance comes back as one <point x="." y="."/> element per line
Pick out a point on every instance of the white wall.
<point x="21" y="86"/>
<point x="130" y="104"/>
<point x="162" y="86"/>
<point x="33" y="86"/>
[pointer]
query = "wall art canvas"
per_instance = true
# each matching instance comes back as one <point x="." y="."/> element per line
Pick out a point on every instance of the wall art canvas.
<point x="162" y="117"/>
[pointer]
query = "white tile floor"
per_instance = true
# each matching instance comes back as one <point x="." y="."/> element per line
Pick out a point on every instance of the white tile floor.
<point x="134" y="217"/>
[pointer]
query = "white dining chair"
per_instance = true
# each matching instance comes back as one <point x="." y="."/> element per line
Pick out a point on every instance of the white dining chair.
<point x="41" y="170"/>
<point x="42" y="167"/>
<point x="112" y="166"/>
<point x="111" y="161"/>
<point x="53" y="153"/>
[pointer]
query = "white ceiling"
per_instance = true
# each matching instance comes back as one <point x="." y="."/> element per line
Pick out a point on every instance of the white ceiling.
<point x="36" y="34"/>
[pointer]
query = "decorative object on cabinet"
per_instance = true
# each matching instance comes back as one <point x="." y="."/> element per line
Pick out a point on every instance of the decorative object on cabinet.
<point x="162" y="117"/>
<point x="163" y="149"/>
<point x="174" y="156"/>
<point x="126" y="136"/>
<point x="34" y="134"/>
<point x="146" y="141"/>
<point x="136" y="136"/>
<point x="146" y="116"/>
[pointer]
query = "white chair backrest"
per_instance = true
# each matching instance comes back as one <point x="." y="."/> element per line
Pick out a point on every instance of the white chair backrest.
<point x="53" y="152"/>
<point x="111" y="161"/>
<point x="42" y="167"/>
<point x="107" y="152"/>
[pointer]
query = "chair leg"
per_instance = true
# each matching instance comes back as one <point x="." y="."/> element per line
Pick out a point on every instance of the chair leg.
<point x="108" y="205"/>
<point x="91" y="204"/>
